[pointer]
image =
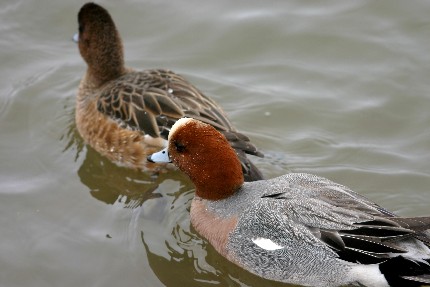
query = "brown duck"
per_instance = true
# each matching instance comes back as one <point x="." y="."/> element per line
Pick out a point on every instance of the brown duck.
<point x="124" y="114"/>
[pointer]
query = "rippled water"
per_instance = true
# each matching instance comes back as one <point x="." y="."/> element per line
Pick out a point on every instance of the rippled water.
<point x="336" y="88"/>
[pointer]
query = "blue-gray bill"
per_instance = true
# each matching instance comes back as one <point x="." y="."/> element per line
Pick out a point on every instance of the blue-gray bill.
<point x="161" y="156"/>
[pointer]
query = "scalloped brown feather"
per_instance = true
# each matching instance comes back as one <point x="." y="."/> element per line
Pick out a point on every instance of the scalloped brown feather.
<point x="117" y="106"/>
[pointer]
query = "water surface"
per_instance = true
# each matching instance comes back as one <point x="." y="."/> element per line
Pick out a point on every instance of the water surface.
<point x="338" y="88"/>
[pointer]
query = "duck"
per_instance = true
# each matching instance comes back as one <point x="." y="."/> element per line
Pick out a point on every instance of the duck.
<point x="297" y="228"/>
<point x="125" y="114"/>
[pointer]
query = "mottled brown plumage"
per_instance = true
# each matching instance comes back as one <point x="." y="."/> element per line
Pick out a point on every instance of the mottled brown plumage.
<point x="126" y="114"/>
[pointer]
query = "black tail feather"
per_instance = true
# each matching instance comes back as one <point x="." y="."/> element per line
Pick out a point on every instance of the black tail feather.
<point x="250" y="171"/>
<point x="402" y="272"/>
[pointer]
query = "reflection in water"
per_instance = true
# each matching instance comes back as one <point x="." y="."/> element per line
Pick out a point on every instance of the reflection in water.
<point x="110" y="184"/>
<point x="196" y="263"/>
<point x="71" y="136"/>
<point x="107" y="181"/>
<point x="160" y="218"/>
<point x="176" y="253"/>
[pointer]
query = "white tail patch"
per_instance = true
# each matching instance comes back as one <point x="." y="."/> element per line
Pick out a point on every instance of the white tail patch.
<point x="266" y="244"/>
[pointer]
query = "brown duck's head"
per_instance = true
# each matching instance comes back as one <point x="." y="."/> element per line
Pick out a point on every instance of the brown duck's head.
<point x="100" y="44"/>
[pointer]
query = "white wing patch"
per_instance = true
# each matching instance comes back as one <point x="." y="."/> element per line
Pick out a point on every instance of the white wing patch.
<point x="267" y="244"/>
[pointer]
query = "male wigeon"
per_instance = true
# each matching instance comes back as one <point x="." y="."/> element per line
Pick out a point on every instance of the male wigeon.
<point x="297" y="228"/>
<point x="126" y="114"/>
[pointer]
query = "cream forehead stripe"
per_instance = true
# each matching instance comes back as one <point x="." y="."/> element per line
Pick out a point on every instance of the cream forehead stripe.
<point x="179" y="123"/>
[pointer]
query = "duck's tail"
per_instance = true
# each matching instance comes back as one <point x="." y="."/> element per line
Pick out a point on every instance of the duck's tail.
<point x="250" y="171"/>
<point x="402" y="272"/>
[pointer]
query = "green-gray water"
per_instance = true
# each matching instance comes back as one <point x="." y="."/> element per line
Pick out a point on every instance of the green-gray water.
<point x="336" y="88"/>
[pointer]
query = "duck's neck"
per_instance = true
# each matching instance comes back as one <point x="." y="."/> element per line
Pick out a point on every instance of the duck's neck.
<point x="218" y="180"/>
<point x="108" y="64"/>
<point x="216" y="191"/>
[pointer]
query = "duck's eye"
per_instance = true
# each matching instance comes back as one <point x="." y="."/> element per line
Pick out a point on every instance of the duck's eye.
<point x="179" y="147"/>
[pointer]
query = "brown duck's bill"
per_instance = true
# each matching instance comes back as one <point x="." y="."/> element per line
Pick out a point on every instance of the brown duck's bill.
<point x="161" y="156"/>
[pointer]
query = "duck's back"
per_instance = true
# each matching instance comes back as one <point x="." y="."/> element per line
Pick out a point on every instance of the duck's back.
<point x="145" y="104"/>
<point x="308" y="230"/>
<point x="151" y="101"/>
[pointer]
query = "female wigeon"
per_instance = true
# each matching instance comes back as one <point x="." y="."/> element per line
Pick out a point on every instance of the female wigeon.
<point x="297" y="228"/>
<point x="125" y="114"/>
